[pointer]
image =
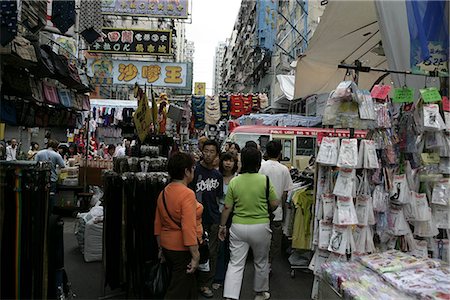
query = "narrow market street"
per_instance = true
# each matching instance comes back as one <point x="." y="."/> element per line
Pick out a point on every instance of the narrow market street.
<point x="86" y="278"/>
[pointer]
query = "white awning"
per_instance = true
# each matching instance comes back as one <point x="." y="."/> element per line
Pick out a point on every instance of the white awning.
<point x="287" y="83"/>
<point x="348" y="31"/>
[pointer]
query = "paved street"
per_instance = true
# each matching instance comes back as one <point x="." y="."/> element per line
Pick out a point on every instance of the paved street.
<point x="86" y="277"/>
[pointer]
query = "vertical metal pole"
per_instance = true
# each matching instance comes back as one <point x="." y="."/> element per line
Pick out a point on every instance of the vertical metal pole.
<point x="87" y="153"/>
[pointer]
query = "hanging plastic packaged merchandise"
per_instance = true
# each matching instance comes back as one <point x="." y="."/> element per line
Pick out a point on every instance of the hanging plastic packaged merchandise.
<point x="383" y="117"/>
<point x="364" y="210"/>
<point x="328" y="151"/>
<point x="420" y="249"/>
<point x="345" y="183"/>
<point x="441" y="193"/>
<point x="339" y="240"/>
<point x="410" y="209"/>
<point x="345" y="213"/>
<point x="328" y="203"/>
<point x="422" y="208"/>
<point x="412" y="177"/>
<point x="426" y="228"/>
<point x="444" y="151"/>
<point x="432" y="119"/>
<point x="396" y="222"/>
<point x="348" y="154"/>
<point x="366" y="105"/>
<point x="370" y="155"/>
<point x="380" y="199"/>
<point x="444" y="165"/>
<point x="325" y="230"/>
<point x="399" y="192"/>
<point x="441" y="216"/>
<point x="440" y="249"/>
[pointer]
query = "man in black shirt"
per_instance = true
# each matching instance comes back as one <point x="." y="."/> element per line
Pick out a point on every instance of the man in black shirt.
<point x="208" y="188"/>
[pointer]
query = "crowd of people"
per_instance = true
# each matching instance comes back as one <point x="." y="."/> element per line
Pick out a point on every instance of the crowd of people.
<point x="237" y="198"/>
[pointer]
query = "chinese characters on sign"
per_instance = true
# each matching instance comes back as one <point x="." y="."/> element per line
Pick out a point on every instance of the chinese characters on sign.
<point x="141" y="72"/>
<point x="134" y="41"/>
<point x="176" y="9"/>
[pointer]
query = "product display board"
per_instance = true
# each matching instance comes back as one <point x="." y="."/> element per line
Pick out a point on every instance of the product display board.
<point x="389" y="190"/>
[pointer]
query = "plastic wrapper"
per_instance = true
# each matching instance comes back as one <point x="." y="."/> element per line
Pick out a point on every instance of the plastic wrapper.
<point x="399" y="192"/>
<point x="441" y="193"/>
<point x="397" y="224"/>
<point x="441" y="216"/>
<point x="325" y="230"/>
<point x="348" y="154"/>
<point x="318" y="259"/>
<point x="383" y="117"/>
<point x="345" y="183"/>
<point x="444" y="165"/>
<point x="440" y="249"/>
<point x="341" y="240"/>
<point x="423" y="212"/>
<point x="345" y="212"/>
<point x="426" y="228"/>
<point x="366" y="105"/>
<point x="328" y="202"/>
<point x="380" y="199"/>
<point x="328" y="151"/>
<point x="432" y="119"/>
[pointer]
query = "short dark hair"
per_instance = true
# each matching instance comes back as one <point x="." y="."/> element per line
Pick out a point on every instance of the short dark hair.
<point x="111" y="146"/>
<point x="178" y="163"/>
<point x="228" y="156"/>
<point x="211" y="143"/>
<point x="251" y="144"/>
<point x="273" y="149"/>
<point x="251" y="160"/>
<point x="52" y="144"/>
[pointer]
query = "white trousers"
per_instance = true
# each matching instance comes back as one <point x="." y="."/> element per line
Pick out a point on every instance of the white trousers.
<point x="242" y="237"/>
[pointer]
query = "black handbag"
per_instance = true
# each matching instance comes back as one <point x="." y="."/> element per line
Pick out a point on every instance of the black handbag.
<point x="203" y="246"/>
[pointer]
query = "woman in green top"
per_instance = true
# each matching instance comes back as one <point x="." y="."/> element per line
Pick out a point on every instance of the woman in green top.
<point x="246" y="197"/>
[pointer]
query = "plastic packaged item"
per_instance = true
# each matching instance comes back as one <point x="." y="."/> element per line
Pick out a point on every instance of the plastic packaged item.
<point x="432" y="119"/>
<point x="399" y="192"/>
<point x="423" y="212"/>
<point x="426" y="228"/>
<point x="345" y="213"/>
<point x="325" y="230"/>
<point x="328" y="202"/>
<point x="383" y="117"/>
<point x="370" y="158"/>
<point x="328" y="151"/>
<point x="441" y="216"/>
<point x="397" y="224"/>
<point x="366" y="105"/>
<point x="348" y="154"/>
<point x="441" y="193"/>
<point x="341" y="240"/>
<point x="380" y="199"/>
<point x="345" y="183"/>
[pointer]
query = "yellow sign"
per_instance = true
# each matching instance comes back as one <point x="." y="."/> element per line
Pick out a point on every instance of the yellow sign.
<point x="200" y="88"/>
<point x="143" y="116"/>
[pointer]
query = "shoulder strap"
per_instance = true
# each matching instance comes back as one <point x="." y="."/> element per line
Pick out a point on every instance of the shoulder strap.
<point x="165" y="206"/>
<point x="267" y="196"/>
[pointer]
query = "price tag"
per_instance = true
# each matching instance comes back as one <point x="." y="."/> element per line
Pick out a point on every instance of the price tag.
<point x="403" y="95"/>
<point x="430" y="94"/>
<point x="380" y="91"/>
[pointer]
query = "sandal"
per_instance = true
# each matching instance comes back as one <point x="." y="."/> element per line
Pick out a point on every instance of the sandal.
<point x="206" y="292"/>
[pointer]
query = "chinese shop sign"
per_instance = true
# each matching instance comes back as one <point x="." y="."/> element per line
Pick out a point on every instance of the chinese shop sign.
<point x="134" y="41"/>
<point x="140" y="72"/>
<point x="175" y="9"/>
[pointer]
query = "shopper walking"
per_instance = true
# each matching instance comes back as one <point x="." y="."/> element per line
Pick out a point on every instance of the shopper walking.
<point x="228" y="168"/>
<point x="11" y="150"/>
<point x="208" y="187"/>
<point x="51" y="155"/>
<point x="246" y="198"/>
<point x="178" y="227"/>
<point x="281" y="179"/>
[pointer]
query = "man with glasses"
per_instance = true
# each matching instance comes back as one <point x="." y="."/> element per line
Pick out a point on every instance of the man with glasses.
<point x="208" y="188"/>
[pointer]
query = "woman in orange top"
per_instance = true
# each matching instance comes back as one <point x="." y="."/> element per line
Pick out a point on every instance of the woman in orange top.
<point x="178" y="227"/>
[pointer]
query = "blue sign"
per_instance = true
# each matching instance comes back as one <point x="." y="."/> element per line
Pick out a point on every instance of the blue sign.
<point x="266" y="11"/>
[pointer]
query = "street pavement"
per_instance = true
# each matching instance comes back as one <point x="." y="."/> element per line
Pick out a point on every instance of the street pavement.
<point x="86" y="278"/>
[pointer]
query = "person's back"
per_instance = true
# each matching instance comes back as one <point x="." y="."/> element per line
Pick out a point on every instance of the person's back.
<point x="53" y="157"/>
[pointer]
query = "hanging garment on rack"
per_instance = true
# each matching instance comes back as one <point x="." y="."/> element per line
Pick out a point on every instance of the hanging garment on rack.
<point x="303" y="201"/>
<point x="63" y="14"/>
<point x="247" y="103"/>
<point x="224" y="107"/>
<point x="198" y="111"/>
<point x="255" y="102"/>
<point x="263" y="100"/>
<point x="236" y="106"/>
<point x="91" y="19"/>
<point x="8" y="19"/>
<point x="34" y="14"/>
<point x="212" y="110"/>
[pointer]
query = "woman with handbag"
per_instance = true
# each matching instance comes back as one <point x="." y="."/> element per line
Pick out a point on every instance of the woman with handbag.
<point x="251" y="197"/>
<point x="178" y="228"/>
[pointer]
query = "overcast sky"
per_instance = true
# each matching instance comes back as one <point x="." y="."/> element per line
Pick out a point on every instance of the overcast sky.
<point x="212" y="22"/>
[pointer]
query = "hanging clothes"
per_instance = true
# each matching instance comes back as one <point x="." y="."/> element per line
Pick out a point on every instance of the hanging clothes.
<point x="255" y="102"/>
<point x="34" y="14"/>
<point x="212" y="110"/>
<point x="247" y="103"/>
<point x="224" y="107"/>
<point x="301" y="236"/>
<point x="63" y="14"/>
<point x="236" y="106"/>
<point x="198" y="111"/>
<point x="8" y="18"/>
<point x="263" y="100"/>
<point x="91" y="20"/>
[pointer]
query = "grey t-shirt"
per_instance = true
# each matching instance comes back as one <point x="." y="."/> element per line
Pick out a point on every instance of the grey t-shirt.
<point x="54" y="158"/>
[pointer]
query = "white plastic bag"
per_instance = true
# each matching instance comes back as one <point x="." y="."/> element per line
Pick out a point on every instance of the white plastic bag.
<point x="345" y="213"/>
<point x="422" y="208"/>
<point x="328" y="202"/>
<point x="348" y="154"/>
<point x="370" y="155"/>
<point x="380" y="199"/>
<point x="441" y="193"/>
<point x="325" y="230"/>
<point x="328" y="151"/>
<point x="345" y="183"/>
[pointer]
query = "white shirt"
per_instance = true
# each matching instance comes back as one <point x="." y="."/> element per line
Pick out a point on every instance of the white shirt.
<point x="120" y="152"/>
<point x="11" y="153"/>
<point x="281" y="180"/>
